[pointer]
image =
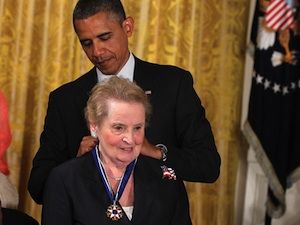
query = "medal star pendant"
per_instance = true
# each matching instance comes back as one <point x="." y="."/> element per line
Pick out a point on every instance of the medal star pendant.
<point x="114" y="212"/>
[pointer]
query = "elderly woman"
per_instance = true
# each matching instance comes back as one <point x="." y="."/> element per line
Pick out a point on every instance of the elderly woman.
<point x="114" y="184"/>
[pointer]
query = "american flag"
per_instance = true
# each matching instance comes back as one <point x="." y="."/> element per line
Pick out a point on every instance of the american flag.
<point x="273" y="121"/>
<point x="279" y="15"/>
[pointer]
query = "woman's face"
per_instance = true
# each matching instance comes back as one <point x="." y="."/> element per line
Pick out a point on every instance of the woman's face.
<point x="121" y="133"/>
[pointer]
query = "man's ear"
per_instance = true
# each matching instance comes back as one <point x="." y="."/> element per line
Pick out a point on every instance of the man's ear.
<point x="128" y="25"/>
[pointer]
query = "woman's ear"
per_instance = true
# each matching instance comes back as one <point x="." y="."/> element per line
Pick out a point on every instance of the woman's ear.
<point x="93" y="130"/>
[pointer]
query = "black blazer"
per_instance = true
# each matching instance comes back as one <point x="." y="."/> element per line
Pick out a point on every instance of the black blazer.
<point x="75" y="194"/>
<point x="178" y="121"/>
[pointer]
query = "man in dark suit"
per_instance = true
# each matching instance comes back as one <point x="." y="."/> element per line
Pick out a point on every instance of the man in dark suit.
<point x="178" y="133"/>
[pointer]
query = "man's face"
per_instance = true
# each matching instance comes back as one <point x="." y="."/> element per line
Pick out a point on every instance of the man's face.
<point x="105" y="41"/>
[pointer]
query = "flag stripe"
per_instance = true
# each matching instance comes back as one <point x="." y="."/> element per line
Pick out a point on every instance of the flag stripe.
<point x="279" y="15"/>
<point x="273" y="9"/>
<point x="283" y="20"/>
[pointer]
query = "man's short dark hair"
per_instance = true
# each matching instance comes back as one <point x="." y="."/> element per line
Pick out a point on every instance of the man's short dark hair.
<point x="87" y="8"/>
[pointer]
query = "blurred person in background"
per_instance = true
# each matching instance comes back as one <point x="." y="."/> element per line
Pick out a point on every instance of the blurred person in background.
<point x="9" y="197"/>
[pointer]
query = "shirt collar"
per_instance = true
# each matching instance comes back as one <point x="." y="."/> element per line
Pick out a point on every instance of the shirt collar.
<point x="126" y="72"/>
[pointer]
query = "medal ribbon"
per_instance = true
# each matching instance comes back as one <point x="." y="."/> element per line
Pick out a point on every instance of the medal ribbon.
<point x="123" y="182"/>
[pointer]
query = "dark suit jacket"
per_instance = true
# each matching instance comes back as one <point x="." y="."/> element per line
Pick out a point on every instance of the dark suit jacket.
<point x="75" y="194"/>
<point x="178" y="121"/>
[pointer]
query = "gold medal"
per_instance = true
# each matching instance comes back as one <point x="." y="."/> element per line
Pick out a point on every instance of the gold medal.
<point x="114" y="212"/>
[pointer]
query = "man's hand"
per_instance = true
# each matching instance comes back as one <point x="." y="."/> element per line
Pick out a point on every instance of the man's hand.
<point x="87" y="144"/>
<point x="151" y="150"/>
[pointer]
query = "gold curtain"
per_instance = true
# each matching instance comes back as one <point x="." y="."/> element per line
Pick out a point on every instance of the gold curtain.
<point x="39" y="51"/>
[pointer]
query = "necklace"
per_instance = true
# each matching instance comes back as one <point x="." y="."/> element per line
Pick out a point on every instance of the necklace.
<point x="116" y="178"/>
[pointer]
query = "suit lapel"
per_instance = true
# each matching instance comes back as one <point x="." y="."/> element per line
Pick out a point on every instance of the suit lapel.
<point x="143" y="77"/>
<point x="92" y="178"/>
<point x="145" y="188"/>
<point x="87" y="82"/>
<point x="81" y="94"/>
